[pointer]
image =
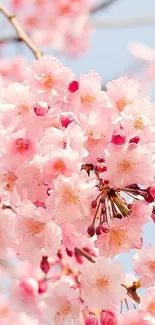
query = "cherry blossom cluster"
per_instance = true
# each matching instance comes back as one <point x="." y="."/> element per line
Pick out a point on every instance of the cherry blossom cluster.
<point x="66" y="27"/>
<point x="77" y="185"/>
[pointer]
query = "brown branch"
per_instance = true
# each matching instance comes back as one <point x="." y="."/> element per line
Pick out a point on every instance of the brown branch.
<point x="102" y="6"/>
<point x="82" y="252"/>
<point x="21" y="35"/>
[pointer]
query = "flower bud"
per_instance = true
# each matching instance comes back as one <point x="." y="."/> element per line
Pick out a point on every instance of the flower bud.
<point x="148" y="198"/>
<point x="44" y="265"/>
<point x="66" y="120"/>
<point x="42" y="286"/>
<point x="134" y="140"/>
<point x="41" y="108"/>
<point x="91" y="320"/>
<point x="91" y="230"/>
<point x="152" y="190"/>
<point x="118" y="139"/>
<point x="94" y="204"/>
<point x="73" y="86"/>
<point x="108" y="318"/>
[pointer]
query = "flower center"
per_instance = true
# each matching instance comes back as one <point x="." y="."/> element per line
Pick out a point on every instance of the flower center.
<point x="23" y="109"/>
<point x="126" y="166"/>
<point x="59" y="166"/>
<point x="22" y="144"/>
<point x="48" y="81"/>
<point x="64" y="311"/>
<point x="10" y="180"/>
<point x="151" y="308"/>
<point x="102" y="283"/>
<point x="70" y="198"/>
<point x="35" y="227"/>
<point x="138" y="124"/>
<point x="120" y="104"/>
<point x="119" y="237"/>
<point x="88" y="99"/>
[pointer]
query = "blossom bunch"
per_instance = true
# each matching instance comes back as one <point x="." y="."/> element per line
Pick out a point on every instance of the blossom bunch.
<point x="66" y="27"/>
<point x="77" y="185"/>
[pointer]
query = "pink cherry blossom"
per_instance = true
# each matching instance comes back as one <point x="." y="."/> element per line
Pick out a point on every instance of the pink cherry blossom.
<point x="127" y="165"/>
<point x="148" y="302"/>
<point x="144" y="265"/>
<point x="49" y="75"/>
<point x="37" y="235"/>
<point x="122" y="92"/>
<point x="98" y="281"/>
<point x="63" y="305"/>
<point x="70" y="197"/>
<point x="62" y="162"/>
<point x="123" y="235"/>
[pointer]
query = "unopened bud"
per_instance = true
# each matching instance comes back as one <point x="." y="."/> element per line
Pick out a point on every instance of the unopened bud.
<point x="44" y="265"/>
<point x="91" y="320"/>
<point x="91" y="230"/>
<point x="118" y="139"/>
<point x="108" y="318"/>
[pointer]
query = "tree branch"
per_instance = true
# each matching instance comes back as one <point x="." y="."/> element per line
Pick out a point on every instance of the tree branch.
<point x="21" y="35"/>
<point x="10" y="39"/>
<point x="102" y="6"/>
<point x="124" y="23"/>
<point x="83" y="253"/>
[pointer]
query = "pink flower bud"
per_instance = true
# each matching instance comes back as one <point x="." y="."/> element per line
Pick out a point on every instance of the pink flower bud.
<point x="94" y="204"/>
<point x="42" y="286"/>
<point x="44" y="265"/>
<point x="28" y="288"/>
<point x="108" y="318"/>
<point x="134" y="140"/>
<point x="41" y="108"/>
<point x="69" y="252"/>
<point x="66" y="120"/>
<point x="91" y="230"/>
<point x="73" y="86"/>
<point x="91" y="320"/>
<point x="118" y="139"/>
<point x="148" y="198"/>
<point x="152" y="191"/>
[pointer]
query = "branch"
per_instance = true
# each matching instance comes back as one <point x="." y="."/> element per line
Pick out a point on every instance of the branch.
<point x="21" y="35"/>
<point x="82" y="252"/>
<point x="9" y="39"/>
<point x="124" y="23"/>
<point x="102" y="6"/>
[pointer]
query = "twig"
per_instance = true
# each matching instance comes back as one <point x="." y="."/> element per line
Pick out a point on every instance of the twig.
<point x="9" y="39"/>
<point x="82" y="252"/>
<point x="21" y="35"/>
<point x="102" y="6"/>
<point x="124" y="23"/>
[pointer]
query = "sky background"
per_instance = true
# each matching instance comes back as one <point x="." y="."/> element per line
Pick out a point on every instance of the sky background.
<point x="109" y="56"/>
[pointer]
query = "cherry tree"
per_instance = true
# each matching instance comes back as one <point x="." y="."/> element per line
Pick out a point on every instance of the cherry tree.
<point x="77" y="182"/>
